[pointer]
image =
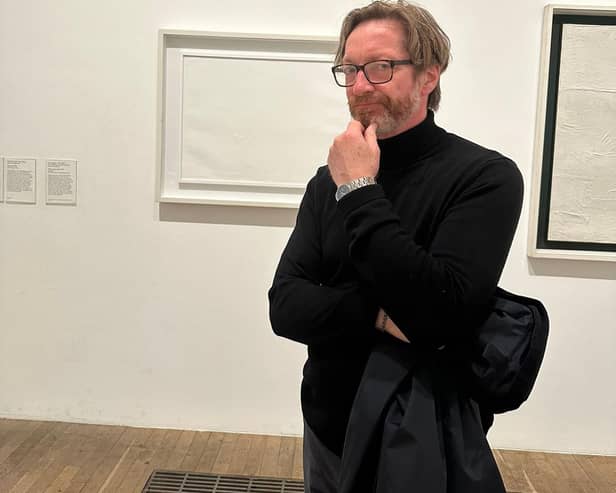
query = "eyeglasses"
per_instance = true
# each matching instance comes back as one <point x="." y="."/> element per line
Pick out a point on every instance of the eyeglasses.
<point x="377" y="72"/>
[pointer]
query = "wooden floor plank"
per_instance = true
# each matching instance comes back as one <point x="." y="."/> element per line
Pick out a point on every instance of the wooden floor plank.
<point x="47" y="457"/>
<point x="607" y="466"/>
<point x="15" y="433"/>
<point x="195" y="451"/>
<point x="575" y="476"/>
<point x="141" y="469"/>
<point x="8" y="429"/>
<point x="285" y="457"/>
<point x="254" y="458"/>
<point x="85" y="444"/>
<point x="58" y="457"/>
<point x="511" y="467"/>
<point x="22" y="443"/>
<point x="543" y="474"/>
<point x="161" y="456"/>
<point x="225" y="454"/>
<point x="511" y="480"/>
<point x="111" y="460"/>
<point x="8" y="424"/>
<point x="269" y="465"/>
<point x="126" y="461"/>
<point x="177" y="455"/>
<point x="601" y="471"/>
<point x="67" y="455"/>
<point x="239" y="459"/>
<point x="102" y="441"/>
<point x="30" y="459"/>
<point x="298" y="459"/>
<point x="210" y="452"/>
<point x="63" y="480"/>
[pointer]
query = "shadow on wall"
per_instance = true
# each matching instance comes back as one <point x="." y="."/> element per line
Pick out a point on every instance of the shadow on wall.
<point x="232" y="215"/>
<point x="586" y="269"/>
<point x="285" y="218"/>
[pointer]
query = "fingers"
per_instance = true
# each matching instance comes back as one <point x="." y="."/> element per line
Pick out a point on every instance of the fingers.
<point x="371" y="138"/>
<point x="370" y="133"/>
<point x="354" y="131"/>
<point x="355" y="127"/>
<point x="354" y="153"/>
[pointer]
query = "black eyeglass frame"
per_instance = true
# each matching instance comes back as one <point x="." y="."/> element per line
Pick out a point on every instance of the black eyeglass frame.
<point x="360" y="68"/>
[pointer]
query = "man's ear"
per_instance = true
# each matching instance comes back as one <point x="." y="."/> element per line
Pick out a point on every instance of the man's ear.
<point x="429" y="78"/>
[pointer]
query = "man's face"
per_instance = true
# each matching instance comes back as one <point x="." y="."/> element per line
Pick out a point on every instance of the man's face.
<point x="396" y="105"/>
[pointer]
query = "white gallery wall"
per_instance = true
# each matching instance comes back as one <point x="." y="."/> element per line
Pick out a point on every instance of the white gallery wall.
<point x="122" y="310"/>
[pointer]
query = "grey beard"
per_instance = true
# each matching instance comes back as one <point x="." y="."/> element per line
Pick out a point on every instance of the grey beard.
<point x="391" y="118"/>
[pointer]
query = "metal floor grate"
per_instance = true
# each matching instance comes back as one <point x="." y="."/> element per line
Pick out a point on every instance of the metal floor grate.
<point x="191" y="482"/>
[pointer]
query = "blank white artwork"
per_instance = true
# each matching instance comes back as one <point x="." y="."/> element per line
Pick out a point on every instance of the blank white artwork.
<point x="245" y="119"/>
<point x="61" y="180"/>
<point x="20" y="180"/>
<point x="583" y="196"/>
<point x="257" y="120"/>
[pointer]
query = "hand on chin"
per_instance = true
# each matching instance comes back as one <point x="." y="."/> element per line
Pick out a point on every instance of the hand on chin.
<point x="367" y="117"/>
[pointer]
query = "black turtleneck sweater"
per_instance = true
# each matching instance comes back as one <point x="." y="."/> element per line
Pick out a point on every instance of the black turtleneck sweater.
<point x="427" y="244"/>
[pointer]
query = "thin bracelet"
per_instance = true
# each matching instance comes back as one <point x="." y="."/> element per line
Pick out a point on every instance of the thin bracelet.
<point x="384" y="322"/>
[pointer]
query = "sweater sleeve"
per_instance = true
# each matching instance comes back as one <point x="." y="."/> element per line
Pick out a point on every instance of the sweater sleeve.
<point x="432" y="293"/>
<point x="302" y="307"/>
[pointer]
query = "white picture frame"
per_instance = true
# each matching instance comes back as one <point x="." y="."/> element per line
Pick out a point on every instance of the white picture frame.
<point x="1" y="179"/>
<point x="587" y="242"/>
<point x="244" y="119"/>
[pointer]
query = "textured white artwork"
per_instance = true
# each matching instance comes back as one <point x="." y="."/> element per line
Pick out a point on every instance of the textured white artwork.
<point x="583" y="195"/>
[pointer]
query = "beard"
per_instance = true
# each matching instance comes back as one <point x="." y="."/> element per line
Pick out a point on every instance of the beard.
<point x="389" y="115"/>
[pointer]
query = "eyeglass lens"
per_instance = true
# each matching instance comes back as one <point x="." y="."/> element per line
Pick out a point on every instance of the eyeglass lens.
<point x="376" y="72"/>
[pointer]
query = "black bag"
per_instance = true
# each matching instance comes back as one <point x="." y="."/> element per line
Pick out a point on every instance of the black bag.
<point x="414" y="428"/>
<point x="417" y="419"/>
<point x="507" y="352"/>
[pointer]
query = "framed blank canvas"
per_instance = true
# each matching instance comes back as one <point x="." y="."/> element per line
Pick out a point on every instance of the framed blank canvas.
<point x="245" y="119"/>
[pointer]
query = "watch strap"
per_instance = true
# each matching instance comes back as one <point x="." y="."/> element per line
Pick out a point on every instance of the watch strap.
<point x="360" y="182"/>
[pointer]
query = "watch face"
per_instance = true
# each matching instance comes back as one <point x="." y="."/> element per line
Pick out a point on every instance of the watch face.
<point x="342" y="191"/>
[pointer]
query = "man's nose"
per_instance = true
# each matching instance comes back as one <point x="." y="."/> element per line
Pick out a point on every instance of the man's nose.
<point x="362" y="84"/>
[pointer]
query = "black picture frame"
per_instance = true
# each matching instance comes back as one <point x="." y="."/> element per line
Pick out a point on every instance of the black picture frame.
<point x="539" y="243"/>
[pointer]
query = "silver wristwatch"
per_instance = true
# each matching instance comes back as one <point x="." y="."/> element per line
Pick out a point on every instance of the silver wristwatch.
<point x="354" y="185"/>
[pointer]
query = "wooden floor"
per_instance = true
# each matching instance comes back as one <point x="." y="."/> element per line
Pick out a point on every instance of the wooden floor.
<point x="39" y="457"/>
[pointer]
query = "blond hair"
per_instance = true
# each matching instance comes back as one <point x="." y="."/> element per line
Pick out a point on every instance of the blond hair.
<point x="426" y="42"/>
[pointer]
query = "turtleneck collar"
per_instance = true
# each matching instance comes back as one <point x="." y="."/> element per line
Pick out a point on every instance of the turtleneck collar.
<point x="411" y="145"/>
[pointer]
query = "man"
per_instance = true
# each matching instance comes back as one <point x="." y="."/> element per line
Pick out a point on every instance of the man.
<point x="405" y="232"/>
